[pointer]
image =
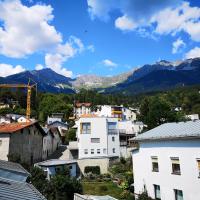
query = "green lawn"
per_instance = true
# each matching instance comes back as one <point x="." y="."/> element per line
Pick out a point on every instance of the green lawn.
<point x="101" y="188"/>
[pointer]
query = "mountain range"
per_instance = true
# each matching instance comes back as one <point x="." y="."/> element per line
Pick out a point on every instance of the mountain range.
<point x="159" y="76"/>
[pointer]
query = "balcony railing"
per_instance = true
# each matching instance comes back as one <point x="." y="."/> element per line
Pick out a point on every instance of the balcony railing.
<point x="113" y="131"/>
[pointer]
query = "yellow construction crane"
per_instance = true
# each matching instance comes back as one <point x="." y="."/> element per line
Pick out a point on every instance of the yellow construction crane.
<point x="28" y="100"/>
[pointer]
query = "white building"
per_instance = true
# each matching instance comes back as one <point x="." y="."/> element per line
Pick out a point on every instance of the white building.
<point x="51" y="167"/>
<point x="82" y="109"/>
<point x="167" y="162"/>
<point x="55" y="117"/>
<point x="193" y="116"/>
<point x="97" y="137"/>
<point x="120" y="112"/>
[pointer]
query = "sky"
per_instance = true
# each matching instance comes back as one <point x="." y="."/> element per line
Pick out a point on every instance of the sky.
<point x="103" y="37"/>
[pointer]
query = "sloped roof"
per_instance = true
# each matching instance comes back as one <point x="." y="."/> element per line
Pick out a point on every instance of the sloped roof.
<point x="54" y="162"/>
<point x="83" y="104"/>
<point x="11" y="166"/>
<point x="13" y="127"/>
<point x="189" y="129"/>
<point x="12" y="190"/>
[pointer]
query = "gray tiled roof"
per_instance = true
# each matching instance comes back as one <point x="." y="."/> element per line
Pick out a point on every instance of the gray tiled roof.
<point x="11" y="190"/>
<point x="54" y="162"/>
<point x="189" y="129"/>
<point x="12" y="167"/>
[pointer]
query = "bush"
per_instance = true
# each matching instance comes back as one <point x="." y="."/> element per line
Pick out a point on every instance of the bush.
<point x="103" y="188"/>
<point x="144" y="196"/>
<point x="92" y="169"/>
<point x="124" y="195"/>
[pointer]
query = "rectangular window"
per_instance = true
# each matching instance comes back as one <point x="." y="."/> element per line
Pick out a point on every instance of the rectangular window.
<point x="154" y="164"/>
<point x="113" y="150"/>
<point x="178" y="194"/>
<point x="92" y="151"/>
<point x="175" y="166"/>
<point x="113" y="139"/>
<point x="198" y="164"/>
<point x="157" y="191"/>
<point x="95" y="140"/>
<point x="112" y="127"/>
<point x="85" y="151"/>
<point x="98" y="151"/>
<point x="104" y="151"/>
<point x="85" y="128"/>
<point x="0" y="142"/>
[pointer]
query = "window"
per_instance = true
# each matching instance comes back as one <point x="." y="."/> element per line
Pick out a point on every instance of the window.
<point x="95" y="140"/>
<point x="154" y="164"/>
<point x="113" y="139"/>
<point x="92" y="151"/>
<point x="70" y="167"/>
<point x="85" y="128"/>
<point x="175" y="166"/>
<point x="104" y="151"/>
<point x="178" y="194"/>
<point x="157" y="191"/>
<point x="0" y="142"/>
<point x="198" y="164"/>
<point x="113" y="150"/>
<point x="98" y="151"/>
<point x="85" y="151"/>
<point x="112" y="127"/>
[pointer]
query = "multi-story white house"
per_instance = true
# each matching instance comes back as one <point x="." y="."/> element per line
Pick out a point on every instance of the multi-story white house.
<point x="120" y="112"/>
<point x="82" y="109"/>
<point x="97" y="137"/>
<point x="167" y="162"/>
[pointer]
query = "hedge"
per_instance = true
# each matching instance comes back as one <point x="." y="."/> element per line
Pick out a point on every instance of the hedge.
<point x="92" y="169"/>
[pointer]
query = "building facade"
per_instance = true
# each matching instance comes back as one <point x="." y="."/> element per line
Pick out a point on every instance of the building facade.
<point x="97" y="137"/>
<point x="23" y="141"/>
<point x="167" y="162"/>
<point x="82" y="109"/>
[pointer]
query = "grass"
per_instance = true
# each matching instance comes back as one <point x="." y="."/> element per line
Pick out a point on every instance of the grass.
<point x="101" y="188"/>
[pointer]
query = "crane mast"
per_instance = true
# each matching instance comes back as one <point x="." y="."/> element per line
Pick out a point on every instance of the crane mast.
<point x="28" y="100"/>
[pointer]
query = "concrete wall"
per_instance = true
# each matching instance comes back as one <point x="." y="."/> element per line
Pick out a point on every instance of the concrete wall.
<point x="103" y="163"/>
<point x="47" y="146"/>
<point x="4" y="146"/>
<point x="188" y="152"/>
<point x="27" y="144"/>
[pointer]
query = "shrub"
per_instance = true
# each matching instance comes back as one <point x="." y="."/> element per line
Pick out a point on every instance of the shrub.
<point x="124" y="195"/>
<point x="103" y="188"/>
<point x="92" y="169"/>
<point x="144" y="196"/>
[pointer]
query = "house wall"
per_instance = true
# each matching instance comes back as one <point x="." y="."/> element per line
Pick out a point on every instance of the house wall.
<point x="103" y="163"/>
<point x="47" y="146"/>
<point x="27" y="143"/>
<point x="56" y="140"/>
<point x="187" y="151"/>
<point x="99" y="129"/>
<point x="4" y="146"/>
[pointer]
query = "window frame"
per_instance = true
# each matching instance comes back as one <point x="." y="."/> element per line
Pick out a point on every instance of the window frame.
<point x="155" y="192"/>
<point x="175" y="162"/>
<point x="154" y="160"/>
<point x="176" y="193"/>
<point x="86" y="130"/>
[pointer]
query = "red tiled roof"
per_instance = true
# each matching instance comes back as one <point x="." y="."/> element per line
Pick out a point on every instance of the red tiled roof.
<point x="88" y="115"/>
<point x="83" y="104"/>
<point x="13" y="127"/>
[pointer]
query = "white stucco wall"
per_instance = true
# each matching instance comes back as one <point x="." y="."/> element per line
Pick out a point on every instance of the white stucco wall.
<point x="99" y="129"/>
<point x="187" y="151"/>
<point x="4" y="146"/>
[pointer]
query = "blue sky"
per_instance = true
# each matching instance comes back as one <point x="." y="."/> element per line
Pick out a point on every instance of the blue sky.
<point x="103" y="37"/>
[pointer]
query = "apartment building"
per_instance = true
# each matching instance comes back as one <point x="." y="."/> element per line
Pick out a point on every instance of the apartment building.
<point x="97" y="137"/>
<point x="167" y="162"/>
<point x="120" y="112"/>
<point x="82" y="109"/>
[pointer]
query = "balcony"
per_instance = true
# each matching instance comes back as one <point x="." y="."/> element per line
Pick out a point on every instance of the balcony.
<point x="112" y="131"/>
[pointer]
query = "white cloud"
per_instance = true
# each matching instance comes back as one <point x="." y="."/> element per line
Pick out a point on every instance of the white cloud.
<point x="39" y="67"/>
<point x="183" y="18"/>
<point x="156" y="16"/>
<point x="124" y="23"/>
<point x="109" y="63"/>
<point x="194" y="53"/>
<point x="178" y="45"/>
<point x="64" y="52"/>
<point x="26" y="30"/>
<point x="91" y="48"/>
<point x="7" y="70"/>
